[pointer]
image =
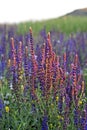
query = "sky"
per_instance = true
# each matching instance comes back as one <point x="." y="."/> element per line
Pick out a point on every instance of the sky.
<point x="15" y="11"/>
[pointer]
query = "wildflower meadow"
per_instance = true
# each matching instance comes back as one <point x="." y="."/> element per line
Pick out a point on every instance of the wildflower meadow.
<point x="43" y="81"/>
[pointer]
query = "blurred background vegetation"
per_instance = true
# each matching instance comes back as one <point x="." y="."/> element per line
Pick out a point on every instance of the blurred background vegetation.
<point x="66" y="24"/>
<point x="73" y="22"/>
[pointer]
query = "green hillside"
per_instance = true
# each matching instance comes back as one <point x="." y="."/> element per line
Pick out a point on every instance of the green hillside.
<point x="66" y="24"/>
<point x="79" y="12"/>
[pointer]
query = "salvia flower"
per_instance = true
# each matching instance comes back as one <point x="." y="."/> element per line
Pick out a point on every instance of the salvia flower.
<point x="76" y="117"/>
<point x="44" y="123"/>
<point x="1" y="107"/>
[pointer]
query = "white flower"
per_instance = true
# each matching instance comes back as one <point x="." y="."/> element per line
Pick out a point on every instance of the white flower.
<point x="58" y="41"/>
<point x="11" y="87"/>
<point x="6" y="102"/>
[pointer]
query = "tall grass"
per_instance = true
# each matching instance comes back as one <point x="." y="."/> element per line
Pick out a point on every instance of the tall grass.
<point x="65" y="24"/>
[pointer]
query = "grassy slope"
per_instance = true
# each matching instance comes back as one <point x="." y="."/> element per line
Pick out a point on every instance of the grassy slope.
<point x="66" y="24"/>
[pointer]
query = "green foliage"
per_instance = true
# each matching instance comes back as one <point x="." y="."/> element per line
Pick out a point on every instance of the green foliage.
<point x="66" y="24"/>
<point x="21" y="116"/>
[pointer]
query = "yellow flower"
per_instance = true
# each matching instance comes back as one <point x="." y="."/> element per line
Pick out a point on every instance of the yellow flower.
<point x="22" y="88"/>
<point x="63" y="99"/>
<point x="22" y="71"/>
<point x="7" y="109"/>
<point x="20" y="77"/>
<point x="60" y="117"/>
<point x="80" y="102"/>
<point x="51" y="126"/>
<point x="57" y="98"/>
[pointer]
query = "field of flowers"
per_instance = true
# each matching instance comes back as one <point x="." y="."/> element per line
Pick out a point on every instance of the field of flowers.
<point x="43" y="81"/>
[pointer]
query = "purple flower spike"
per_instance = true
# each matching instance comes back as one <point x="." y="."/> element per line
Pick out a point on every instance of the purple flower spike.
<point x="1" y="107"/>
<point x="44" y="123"/>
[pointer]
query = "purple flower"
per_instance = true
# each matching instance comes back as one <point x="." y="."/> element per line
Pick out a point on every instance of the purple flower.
<point x="60" y="104"/>
<point x="76" y="117"/>
<point x="85" y="126"/>
<point x="1" y="107"/>
<point x="44" y="123"/>
<point x="1" y="104"/>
